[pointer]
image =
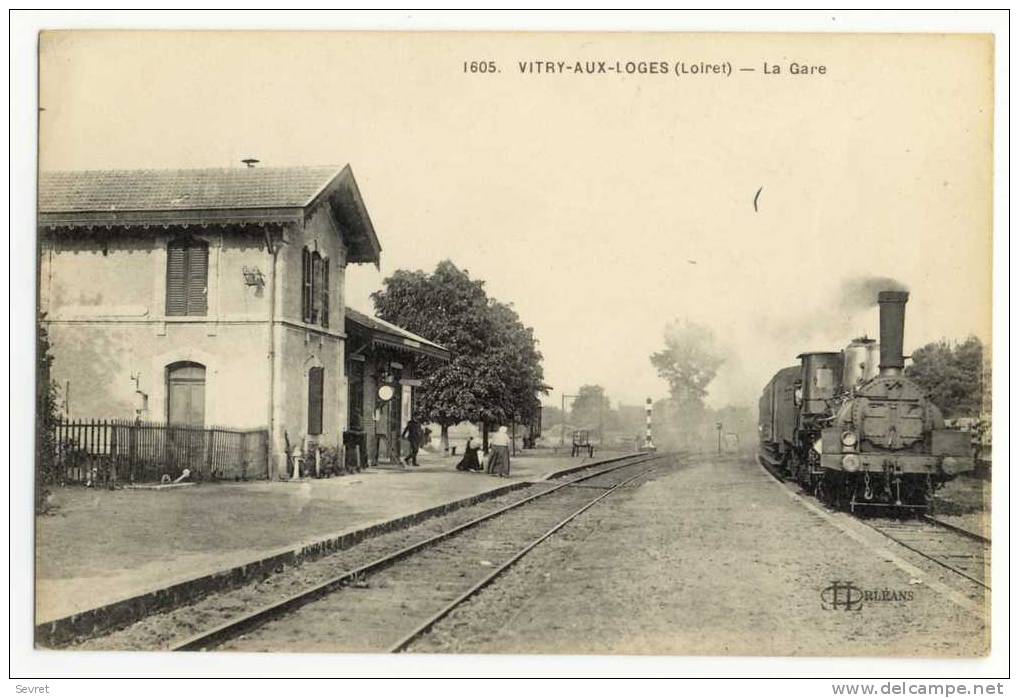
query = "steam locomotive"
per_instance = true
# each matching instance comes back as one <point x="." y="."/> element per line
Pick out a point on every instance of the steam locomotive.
<point x="850" y="427"/>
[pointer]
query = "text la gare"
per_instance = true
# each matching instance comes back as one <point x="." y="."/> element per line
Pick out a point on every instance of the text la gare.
<point x="795" y="69"/>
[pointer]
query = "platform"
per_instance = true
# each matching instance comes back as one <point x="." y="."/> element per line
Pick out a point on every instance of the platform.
<point x="102" y="546"/>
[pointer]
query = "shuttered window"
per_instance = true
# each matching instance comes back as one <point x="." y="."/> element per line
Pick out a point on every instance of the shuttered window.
<point x="325" y="293"/>
<point x="306" y="285"/>
<point x="187" y="277"/>
<point x="314" y="288"/>
<point x="315" y="379"/>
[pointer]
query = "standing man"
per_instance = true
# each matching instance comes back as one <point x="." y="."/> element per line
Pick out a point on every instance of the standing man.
<point x="413" y="433"/>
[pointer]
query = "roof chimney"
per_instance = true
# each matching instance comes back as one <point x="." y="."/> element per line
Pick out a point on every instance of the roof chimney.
<point x="893" y="320"/>
<point x="250" y="162"/>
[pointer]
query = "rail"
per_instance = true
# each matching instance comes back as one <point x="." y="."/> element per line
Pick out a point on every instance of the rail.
<point x="238" y="626"/>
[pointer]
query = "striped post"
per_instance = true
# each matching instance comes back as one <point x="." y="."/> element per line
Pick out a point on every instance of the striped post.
<point x="648" y="444"/>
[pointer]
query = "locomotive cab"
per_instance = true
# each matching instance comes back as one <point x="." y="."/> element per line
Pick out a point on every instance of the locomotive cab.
<point x="819" y="382"/>
<point x="816" y="393"/>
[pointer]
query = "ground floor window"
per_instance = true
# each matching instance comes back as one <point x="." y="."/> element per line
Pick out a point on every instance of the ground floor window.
<point x="185" y="391"/>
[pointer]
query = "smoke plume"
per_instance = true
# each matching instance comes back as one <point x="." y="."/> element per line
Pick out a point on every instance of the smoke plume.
<point x="861" y="292"/>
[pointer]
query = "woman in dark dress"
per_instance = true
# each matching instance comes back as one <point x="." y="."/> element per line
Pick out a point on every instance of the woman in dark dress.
<point x="469" y="462"/>
<point x="499" y="458"/>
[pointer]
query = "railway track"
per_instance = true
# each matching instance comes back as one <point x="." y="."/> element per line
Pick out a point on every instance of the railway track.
<point x="961" y="531"/>
<point x="391" y="601"/>
<point x="960" y="551"/>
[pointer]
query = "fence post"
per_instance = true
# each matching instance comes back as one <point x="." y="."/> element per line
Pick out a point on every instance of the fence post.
<point x="131" y="437"/>
<point x="210" y="439"/>
<point x="111" y="447"/>
<point x="267" y="451"/>
<point x="244" y="456"/>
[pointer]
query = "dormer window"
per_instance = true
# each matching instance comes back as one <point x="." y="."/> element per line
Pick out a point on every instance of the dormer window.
<point x="187" y="277"/>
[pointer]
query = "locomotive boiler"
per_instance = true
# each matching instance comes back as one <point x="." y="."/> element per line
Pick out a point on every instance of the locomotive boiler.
<point x="855" y="430"/>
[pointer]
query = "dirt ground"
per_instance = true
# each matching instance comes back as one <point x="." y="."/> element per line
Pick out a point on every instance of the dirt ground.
<point x="160" y="630"/>
<point x="712" y="560"/>
<point x="100" y="546"/>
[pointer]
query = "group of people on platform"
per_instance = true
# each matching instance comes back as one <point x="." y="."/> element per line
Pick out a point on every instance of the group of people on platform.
<point x="498" y="460"/>
<point x="496" y="463"/>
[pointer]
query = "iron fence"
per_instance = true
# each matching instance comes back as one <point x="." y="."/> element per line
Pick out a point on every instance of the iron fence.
<point x="93" y="451"/>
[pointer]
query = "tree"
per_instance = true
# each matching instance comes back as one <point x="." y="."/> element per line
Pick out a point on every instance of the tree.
<point x="592" y="409"/>
<point x="46" y="416"/>
<point x="517" y="352"/>
<point x="689" y="363"/>
<point x="951" y="375"/>
<point x="494" y="373"/>
<point x="551" y="416"/>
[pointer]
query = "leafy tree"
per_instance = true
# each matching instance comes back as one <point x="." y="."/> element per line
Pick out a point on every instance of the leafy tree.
<point x="592" y="409"/>
<point x="46" y="415"/>
<point x="495" y="369"/>
<point x="951" y="375"/>
<point x="517" y="352"/>
<point x="689" y="363"/>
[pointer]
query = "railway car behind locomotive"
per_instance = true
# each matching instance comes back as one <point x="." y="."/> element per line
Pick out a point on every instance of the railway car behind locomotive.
<point x="856" y="431"/>
<point x="777" y="418"/>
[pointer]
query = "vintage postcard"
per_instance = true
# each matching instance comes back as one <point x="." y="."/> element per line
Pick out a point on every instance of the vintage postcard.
<point x="515" y="343"/>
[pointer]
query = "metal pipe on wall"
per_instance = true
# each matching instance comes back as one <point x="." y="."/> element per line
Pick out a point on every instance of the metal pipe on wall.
<point x="270" y="460"/>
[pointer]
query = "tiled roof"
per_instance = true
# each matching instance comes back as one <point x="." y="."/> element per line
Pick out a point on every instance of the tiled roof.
<point x="182" y="190"/>
<point x="379" y="325"/>
<point x="239" y="196"/>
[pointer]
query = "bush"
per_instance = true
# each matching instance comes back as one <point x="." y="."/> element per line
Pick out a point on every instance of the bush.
<point x="46" y="397"/>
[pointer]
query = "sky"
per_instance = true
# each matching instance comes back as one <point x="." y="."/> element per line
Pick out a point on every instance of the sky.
<point x="603" y="206"/>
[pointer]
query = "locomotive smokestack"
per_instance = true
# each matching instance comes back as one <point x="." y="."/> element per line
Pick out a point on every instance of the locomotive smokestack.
<point x="893" y="319"/>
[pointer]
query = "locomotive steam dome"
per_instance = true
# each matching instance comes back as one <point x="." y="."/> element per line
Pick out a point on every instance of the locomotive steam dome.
<point x="860" y="362"/>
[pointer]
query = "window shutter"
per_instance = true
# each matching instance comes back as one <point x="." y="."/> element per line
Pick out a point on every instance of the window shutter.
<point x="198" y="280"/>
<point x="316" y="287"/>
<point x="306" y="285"/>
<point x="325" y="293"/>
<point x="176" y="279"/>
<point x="315" y="376"/>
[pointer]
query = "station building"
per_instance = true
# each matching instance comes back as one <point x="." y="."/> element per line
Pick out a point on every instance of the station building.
<point x="383" y="360"/>
<point x="215" y="297"/>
